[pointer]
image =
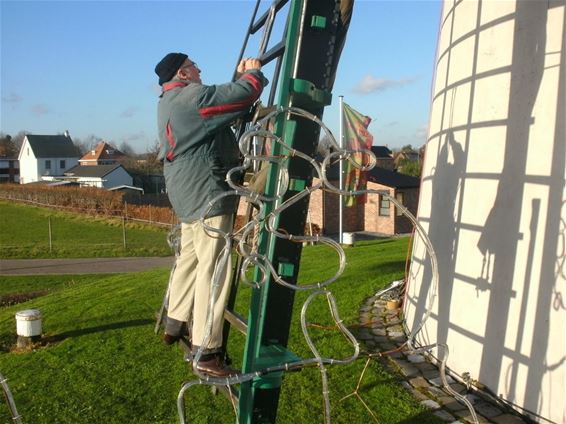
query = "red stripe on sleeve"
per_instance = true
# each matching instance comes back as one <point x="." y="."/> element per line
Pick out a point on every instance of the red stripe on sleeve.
<point x="207" y="112"/>
<point x="254" y="81"/>
<point x="171" y="140"/>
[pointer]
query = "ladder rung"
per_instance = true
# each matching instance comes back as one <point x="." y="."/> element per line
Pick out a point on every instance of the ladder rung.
<point x="274" y="52"/>
<point x="237" y="320"/>
<point x="261" y="21"/>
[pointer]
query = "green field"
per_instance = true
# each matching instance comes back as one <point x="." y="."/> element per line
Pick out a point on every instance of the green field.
<point x="24" y="233"/>
<point x="103" y="363"/>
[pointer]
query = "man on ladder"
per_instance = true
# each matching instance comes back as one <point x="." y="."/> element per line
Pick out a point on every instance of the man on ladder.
<point x="198" y="147"/>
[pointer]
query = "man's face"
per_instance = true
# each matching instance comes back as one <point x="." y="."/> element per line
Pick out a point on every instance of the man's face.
<point x="189" y="71"/>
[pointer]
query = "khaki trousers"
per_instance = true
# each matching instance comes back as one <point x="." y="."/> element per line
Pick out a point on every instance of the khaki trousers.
<point x="192" y="279"/>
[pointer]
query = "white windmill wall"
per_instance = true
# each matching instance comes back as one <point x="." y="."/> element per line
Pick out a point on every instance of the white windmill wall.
<point x="493" y="201"/>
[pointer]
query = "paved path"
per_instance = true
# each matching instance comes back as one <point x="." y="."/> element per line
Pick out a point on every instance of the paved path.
<point x="381" y="332"/>
<point x="81" y="266"/>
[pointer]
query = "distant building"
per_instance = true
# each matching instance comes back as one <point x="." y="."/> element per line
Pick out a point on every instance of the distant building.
<point x="102" y="154"/>
<point x="9" y="170"/>
<point x="384" y="157"/>
<point x="404" y="157"/>
<point x="46" y="156"/>
<point x="101" y="176"/>
<point x="132" y="194"/>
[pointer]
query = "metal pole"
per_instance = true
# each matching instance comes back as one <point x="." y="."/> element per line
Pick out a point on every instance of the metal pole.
<point x="242" y="51"/>
<point x="341" y="170"/>
<point x="124" y="231"/>
<point x="50" y="238"/>
<point x="17" y="418"/>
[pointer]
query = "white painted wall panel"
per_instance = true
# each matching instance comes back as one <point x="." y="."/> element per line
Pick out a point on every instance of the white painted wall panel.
<point x="493" y="201"/>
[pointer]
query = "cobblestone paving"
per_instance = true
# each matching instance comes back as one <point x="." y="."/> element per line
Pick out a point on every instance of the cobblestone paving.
<point x="381" y="330"/>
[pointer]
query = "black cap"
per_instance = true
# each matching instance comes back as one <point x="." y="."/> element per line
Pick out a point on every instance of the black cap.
<point x="169" y="65"/>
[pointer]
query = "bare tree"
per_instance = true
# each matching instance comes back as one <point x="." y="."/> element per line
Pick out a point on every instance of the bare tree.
<point x="10" y="146"/>
<point x="127" y="149"/>
<point x="18" y="139"/>
<point x="87" y="143"/>
<point x="7" y="146"/>
<point x="325" y="146"/>
<point x="153" y="164"/>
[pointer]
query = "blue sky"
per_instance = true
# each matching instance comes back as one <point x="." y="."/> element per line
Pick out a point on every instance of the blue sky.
<point x="87" y="66"/>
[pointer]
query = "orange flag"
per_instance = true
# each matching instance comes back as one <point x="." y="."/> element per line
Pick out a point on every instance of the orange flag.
<point x="357" y="136"/>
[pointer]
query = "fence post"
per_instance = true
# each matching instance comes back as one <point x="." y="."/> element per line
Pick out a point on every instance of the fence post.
<point x="124" y="231"/>
<point x="149" y="213"/>
<point x="126" y="209"/>
<point x="50" y="238"/>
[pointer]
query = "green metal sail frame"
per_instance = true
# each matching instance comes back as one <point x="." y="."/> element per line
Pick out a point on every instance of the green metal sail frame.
<point x="313" y="33"/>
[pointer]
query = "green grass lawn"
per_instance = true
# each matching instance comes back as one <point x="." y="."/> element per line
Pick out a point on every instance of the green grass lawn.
<point x="24" y="233"/>
<point x="105" y="365"/>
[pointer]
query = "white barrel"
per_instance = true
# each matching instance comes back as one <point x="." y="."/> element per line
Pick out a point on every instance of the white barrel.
<point x="28" y="323"/>
<point x="348" y="238"/>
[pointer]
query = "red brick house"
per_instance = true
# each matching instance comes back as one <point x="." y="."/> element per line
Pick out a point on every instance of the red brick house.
<point x="377" y="215"/>
<point x="102" y="154"/>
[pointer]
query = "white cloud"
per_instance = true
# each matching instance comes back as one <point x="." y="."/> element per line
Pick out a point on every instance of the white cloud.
<point x="370" y="84"/>
<point x="134" y="136"/>
<point x="129" y="112"/>
<point x="12" y="98"/>
<point x="40" y="109"/>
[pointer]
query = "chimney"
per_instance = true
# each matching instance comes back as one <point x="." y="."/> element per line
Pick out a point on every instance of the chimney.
<point x="67" y="134"/>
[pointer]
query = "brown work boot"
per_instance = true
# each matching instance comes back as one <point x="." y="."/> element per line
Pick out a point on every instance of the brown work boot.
<point x="169" y="340"/>
<point x="215" y="366"/>
<point x="176" y="330"/>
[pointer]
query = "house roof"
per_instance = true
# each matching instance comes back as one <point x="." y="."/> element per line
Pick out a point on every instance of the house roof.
<point x="380" y="176"/>
<point x="52" y="146"/>
<point x="410" y="156"/>
<point x="381" y="152"/>
<point x="95" y="171"/>
<point x="126" y="187"/>
<point x="103" y="151"/>
<point x="392" y="179"/>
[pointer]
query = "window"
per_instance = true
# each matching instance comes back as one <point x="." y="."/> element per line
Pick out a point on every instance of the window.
<point x="401" y="199"/>
<point x="47" y="164"/>
<point x="383" y="204"/>
<point x="62" y="164"/>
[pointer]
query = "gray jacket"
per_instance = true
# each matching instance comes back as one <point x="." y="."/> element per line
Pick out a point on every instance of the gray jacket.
<point x="198" y="146"/>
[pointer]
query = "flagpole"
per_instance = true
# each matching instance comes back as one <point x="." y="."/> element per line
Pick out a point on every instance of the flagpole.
<point x="341" y="169"/>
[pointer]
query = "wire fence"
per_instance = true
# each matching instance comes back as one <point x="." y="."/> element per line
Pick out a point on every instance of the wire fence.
<point x="147" y="214"/>
<point x="58" y="236"/>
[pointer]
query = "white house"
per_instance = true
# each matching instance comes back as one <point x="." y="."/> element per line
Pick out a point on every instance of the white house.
<point x="101" y="176"/>
<point x="46" y="155"/>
